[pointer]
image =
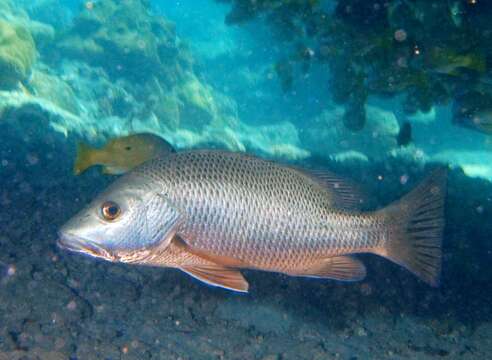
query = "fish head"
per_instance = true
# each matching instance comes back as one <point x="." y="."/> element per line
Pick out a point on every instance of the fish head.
<point x="124" y="223"/>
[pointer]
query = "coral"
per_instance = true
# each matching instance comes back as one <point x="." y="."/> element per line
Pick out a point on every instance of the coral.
<point x="17" y="54"/>
<point x="143" y="53"/>
<point x="50" y="12"/>
<point x="167" y="110"/>
<point x="126" y="41"/>
<point x="42" y="33"/>
<point x="198" y="106"/>
<point x="54" y="89"/>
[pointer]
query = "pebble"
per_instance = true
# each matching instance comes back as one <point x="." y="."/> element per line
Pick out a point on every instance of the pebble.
<point x="72" y="305"/>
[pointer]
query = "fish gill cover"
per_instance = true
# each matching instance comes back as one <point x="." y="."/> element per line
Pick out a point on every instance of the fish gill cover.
<point x="380" y="92"/>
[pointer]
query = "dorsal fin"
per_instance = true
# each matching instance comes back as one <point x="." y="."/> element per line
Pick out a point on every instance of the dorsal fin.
<point x="347" y="195"/>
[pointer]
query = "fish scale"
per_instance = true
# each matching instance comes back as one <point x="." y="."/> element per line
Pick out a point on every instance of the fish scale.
<point x="233" y="202"/>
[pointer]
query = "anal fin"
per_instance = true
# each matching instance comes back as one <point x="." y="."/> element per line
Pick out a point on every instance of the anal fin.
<point x="344" y="268"/>
<point x="217" y="275"/>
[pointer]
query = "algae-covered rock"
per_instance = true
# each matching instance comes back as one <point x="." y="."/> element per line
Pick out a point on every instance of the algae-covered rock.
<point x="42" y="33"/>
<point x="52" y="88"/>
<point x="144" y="72"/>
<point x="6" y="7"/>
<point x="167" y="110"/>
<point x="50" y="12"/>
<point x="198" y="107"/>
<point x="127" y="41"/>
<point x="17" y="54"/>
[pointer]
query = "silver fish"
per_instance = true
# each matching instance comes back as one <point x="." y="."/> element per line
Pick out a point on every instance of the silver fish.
<point x="211" y="213"/>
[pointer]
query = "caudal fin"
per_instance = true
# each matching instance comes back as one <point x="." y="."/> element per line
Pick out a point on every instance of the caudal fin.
<point x="83" y="159"/>
<point x="416" y="224"/>
<point x="478" y="63"/>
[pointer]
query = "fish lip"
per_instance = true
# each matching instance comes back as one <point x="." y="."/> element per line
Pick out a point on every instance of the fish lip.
<point x="67" y="241"/>
<point x="74" y="243"/>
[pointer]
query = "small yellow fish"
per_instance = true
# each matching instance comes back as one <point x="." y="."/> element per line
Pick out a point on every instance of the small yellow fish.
<point x="122" y="154"/>
<point x="444" y="61"/>
<point x="473" y="110"/>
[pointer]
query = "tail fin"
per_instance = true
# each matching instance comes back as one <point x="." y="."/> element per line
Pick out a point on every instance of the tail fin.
<point x="84" y="158"/>
<point x="416" y="227"/>
<point x="478" y="63"/>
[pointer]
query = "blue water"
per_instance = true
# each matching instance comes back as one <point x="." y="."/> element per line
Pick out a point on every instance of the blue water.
<point x="326" y="84"/>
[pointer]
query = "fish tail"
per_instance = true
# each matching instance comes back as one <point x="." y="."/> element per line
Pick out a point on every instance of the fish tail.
<point x="478" y="63"/>
<point x="416" y="224"/>
<point x="84" y="158"/>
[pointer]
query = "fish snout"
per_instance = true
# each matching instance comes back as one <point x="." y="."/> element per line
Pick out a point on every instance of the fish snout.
<point x="68" y="241"/>
<point x="71" y="242"/>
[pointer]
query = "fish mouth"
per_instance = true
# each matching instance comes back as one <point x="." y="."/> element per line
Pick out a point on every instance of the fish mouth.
<point x="74" y="243"/>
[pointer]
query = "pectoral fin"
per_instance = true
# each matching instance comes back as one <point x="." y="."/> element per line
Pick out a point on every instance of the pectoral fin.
<point x="217" y="275"/>
<point x="225" y="261"/>
<point x="344" y="268"/>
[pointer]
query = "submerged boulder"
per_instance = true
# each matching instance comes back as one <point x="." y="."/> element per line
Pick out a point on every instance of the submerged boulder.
<point x="54" y="89"/>
<point x="127" y="41"/>
<point x="17" y="54"/>
<point x="327" y="135"/>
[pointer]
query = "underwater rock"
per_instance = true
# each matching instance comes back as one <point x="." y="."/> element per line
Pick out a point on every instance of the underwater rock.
<point x="423" y="117"/>
<point x="167" y="110"/>
<point x="163" y="103"/>
<point x="127" y="41"/>
<point x="351" y="158"/>
<point x="474" y="163"/>
<point x="42" y="33"/>
<point x="6" y="7"/>
<point x="46" y="11"/>
<point x="328" y="135"/>
<point x="197" y="104"/>
<point x="354" y="117"/>
<point x="53" y="89"/>
<point x="17" y="54"/>
<point x="280" y="140"/>
<point x="27" y="111"/>
<point x="142" y="47"/>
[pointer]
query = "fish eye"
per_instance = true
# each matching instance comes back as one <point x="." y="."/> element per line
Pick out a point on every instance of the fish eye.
<point x="128" y="148"/>
<point x="110" y="210"/>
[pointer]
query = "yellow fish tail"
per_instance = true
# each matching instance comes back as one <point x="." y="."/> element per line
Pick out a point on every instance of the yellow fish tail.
<point x="478" y="63"/>
<point x="84" y="159"/>
<point x="416" y="225"/>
